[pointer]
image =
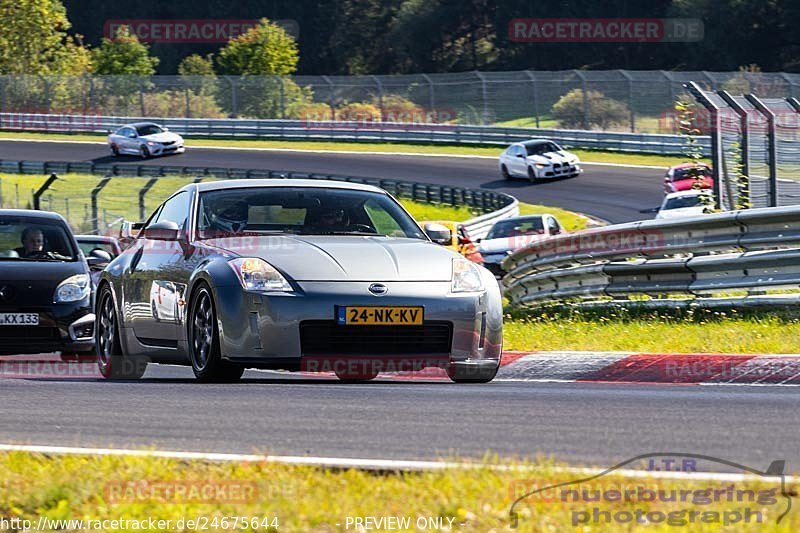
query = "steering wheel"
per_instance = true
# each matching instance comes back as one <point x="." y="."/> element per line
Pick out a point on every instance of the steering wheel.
<point x="361" y="228"/>
<point x="42" y="254"/>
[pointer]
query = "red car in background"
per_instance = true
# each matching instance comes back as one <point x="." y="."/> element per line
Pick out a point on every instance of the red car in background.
<point x="679" y="178"/>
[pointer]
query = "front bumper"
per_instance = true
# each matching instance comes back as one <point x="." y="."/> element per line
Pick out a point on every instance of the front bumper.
<point x="62" y="327"/>
<point x="178" y="148"/>
<point x="264" y="330"/>
<point x="558" y="171"/>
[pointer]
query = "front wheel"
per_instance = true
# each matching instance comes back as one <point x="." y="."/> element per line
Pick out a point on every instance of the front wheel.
<point x="532" y="175"/>
<point x="466" y="374"/>
<point x="114" y="150"/>
<point x="204" y="346"/>
<point x="145" y="152"/>
<point x="111" y="361"/>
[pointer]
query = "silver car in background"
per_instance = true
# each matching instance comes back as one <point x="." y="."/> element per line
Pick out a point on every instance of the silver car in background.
<point x="538" y="159"/>
<point x="145" y="139"/>
<point x="297" y="275"/>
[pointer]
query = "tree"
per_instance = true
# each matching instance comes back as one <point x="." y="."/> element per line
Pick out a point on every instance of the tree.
<point x="196" y="65"/>
<point x="594" y="109"/>
<point x="34" y="39"/>
<point x="264" y="49"/>
<point x="123" y="54"/>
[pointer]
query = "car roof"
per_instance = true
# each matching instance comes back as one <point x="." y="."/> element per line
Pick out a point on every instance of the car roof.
<point x="140" y="124"/>
<point x="32" y="214"/>
<point x="95" y="238"/>
<point x="521" y="219"/>
<point x="689" y="165"/>
<point x="534" y="142"/>
<point x="219" y="185"/>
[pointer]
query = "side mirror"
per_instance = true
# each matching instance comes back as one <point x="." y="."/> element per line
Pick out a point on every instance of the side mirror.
<point x="98" y="259"/>
<point x="165" y="129"/>
<point x="521" y="156"/>
<point x="439" y="234"/>
<point x="165" y="230"/>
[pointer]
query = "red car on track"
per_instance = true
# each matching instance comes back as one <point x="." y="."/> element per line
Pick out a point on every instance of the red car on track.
<point x="679" y="178"/>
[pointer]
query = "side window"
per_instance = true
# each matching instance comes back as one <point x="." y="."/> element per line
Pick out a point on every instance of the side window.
<point x="519" y="150"/>
<point x="553" y="226"/>
<point x="176" y="209"/>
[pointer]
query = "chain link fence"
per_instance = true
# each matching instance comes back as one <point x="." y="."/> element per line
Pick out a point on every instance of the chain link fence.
<point x="619" y="100"/>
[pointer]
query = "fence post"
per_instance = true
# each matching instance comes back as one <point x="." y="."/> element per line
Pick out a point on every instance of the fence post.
<point x="431" y="94"/>
<point x="716" y="140"/>
<point x="744" y="198"/>
<point x="379" y="85"/>
<point x="628" y="77"/>
<point x="142" y="193"/>
<point x="97" y="188"/>
<point x="585" y="91"/>
<point x="772" y="150"/>
<point x="234" y="102"/>
<point x="535" y="89"/>
<point x="141" y="97"/>
<point x="485" y="97"/>
<point x="331" y="99"/>
<point x="39" y="192"/>
<point x="282" y="91"/>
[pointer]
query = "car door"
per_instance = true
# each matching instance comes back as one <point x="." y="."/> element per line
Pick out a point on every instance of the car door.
<point x="156" y="282"/>
<point x="520" y="161"/>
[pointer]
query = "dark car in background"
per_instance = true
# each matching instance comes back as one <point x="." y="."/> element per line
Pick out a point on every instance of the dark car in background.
<point x="684" y="176"/>
<point x="45" y="287"/>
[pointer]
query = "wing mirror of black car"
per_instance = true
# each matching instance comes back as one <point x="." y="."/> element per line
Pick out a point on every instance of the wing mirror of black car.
<point x="439" y="234"/>
<point x="521" y="156"/>
<point x="166" y="230"/>
<point x="98" y="259"/>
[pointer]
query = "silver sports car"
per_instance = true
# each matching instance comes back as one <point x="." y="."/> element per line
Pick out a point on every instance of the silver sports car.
<point x="145" y="139"/>
<point x="302" y="275"/>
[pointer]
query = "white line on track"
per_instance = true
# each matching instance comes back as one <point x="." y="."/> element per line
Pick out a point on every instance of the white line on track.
<point x="371" y="464"/>
<point x="345" y="152"/>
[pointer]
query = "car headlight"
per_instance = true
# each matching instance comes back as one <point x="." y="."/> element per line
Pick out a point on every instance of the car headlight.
<point x="257" y="275"/>
<point x="73" y="289"/>
<point x="540" y="165"/>
<point x="466" y="276"/>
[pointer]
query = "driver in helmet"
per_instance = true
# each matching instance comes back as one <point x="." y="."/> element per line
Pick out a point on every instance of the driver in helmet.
<point x="230" y="217"/>
<point x="330" y="219"/>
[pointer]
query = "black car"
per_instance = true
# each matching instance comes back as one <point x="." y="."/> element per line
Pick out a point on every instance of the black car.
<point x="45" y="287"/>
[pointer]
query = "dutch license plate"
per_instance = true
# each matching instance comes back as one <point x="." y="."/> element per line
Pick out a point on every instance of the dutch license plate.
<point x="19" y="319"/>
<point x="379" y="315"/>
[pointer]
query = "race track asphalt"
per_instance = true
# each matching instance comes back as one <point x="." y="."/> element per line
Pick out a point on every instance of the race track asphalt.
<point x="612" y="193"/>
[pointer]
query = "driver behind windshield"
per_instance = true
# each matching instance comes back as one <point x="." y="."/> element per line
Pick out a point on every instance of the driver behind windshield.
<point x="230" y="218"/>
<point x="32" y="243"/>
<point x="326" y="219"/>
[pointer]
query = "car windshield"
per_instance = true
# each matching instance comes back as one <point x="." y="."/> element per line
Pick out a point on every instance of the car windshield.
<point x="682" y="201"/>
<point x="514" y="228"/>
<point x="540" y="148"/>
<point x="685" y="173"/>
<point x="148" y="129"/>
<point x="302" y="211"/>
<point x="34" y="239"/>
<point x="88" y="246"/>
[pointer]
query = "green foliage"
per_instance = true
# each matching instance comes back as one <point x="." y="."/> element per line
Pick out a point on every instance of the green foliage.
<point x="196" y="65"/>
<point x="262" y="50"/>
<point x="181" y="104"/>
<point x="575" y="110"/>
<point x="124" y="55"/>
<point x="687" y="122"/>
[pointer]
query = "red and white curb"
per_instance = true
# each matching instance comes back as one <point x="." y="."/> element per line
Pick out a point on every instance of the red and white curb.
<point x="557" y="366"/>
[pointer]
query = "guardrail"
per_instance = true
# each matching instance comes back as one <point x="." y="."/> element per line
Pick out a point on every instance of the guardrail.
<point x="698" y="257"/>
<point x="358" y="131"/>
<point x="493" y="205"/>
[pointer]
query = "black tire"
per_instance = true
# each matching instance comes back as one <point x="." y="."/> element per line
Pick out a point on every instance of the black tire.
<point x="145" y="152"/>
<point x="204" y="350"/>
<point x="154" y="309"/>
<point x="472" y="375"/>
<point x="114" y="150"/>
<point x="504" y="172"/>
<point x="532" y="175"/>
<point x="111" y="360"/>
<point x="356" y="377"/>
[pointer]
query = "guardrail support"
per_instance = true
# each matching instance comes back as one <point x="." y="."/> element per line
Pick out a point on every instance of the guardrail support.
<point x="97" y="188"/>
<point x="535" y="91"/>
<point x="744" y="192"/>
<point x="38" y="194"/>
<point x="716" y="141"/>
<point x="630" y="99"/>
<point x="772" y="149"/>
<point x="142" y="193"/>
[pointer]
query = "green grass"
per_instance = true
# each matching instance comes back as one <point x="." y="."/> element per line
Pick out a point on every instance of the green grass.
<point x="665" y="332"/>
<point x="311" y="499"/>
<point x="585" y="155"/>
<point x="120" y="198"/>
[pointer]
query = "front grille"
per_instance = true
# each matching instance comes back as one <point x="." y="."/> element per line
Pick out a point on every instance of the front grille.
<point x="11" y="333"/>
<point x="168" y="143"/>
<point x="325" y="337"/>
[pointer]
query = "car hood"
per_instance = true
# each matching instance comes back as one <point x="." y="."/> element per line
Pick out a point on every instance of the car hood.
<point x="681" y="212"/>
<point x="33" y="283"/>
<point x="552" y="157"/>
<point x="163" y="137"/>
<point x="345" y="258"/>
<point x="507" y="244"/>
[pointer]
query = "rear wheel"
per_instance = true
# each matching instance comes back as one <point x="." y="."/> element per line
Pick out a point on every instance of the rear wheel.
<point x="204" y="346"/>
<point x="504" y="172"/>
<point x="111" y="361"/>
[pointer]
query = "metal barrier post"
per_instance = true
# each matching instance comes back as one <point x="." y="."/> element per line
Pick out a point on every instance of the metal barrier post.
<point x="630" y="99"/>
<point x="744" y="192"/>
<point x="38" y="194"/>
<point x="772" y="149"/>
<point x="535" y="89"/>
<point x="97" y="188"/>
<point x="716" y="140"/>
<point x="485" y="118"/>
<point x="585" y="90"/>
<point x="142" y="193"/>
